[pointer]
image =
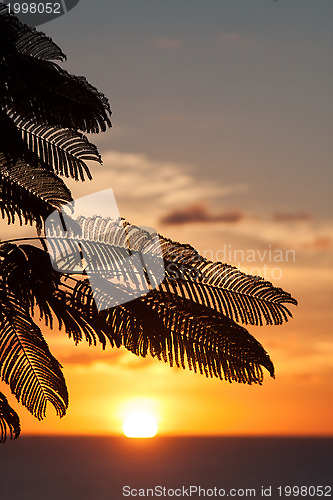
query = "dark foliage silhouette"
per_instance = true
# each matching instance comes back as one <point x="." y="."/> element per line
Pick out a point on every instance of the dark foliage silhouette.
<point x="191" y="319"/>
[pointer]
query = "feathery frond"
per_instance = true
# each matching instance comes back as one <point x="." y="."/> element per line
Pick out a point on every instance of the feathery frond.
<point x="62" y="150"/>
<point x="179" y="332"/>
<point x="9" y="420"/>
<point x="42" y="109"/>
<point x="210" y="342"/>
<point x="161" y="324"/>
<point x="3" y="8"/>
<point x="44" y="92"/>
<point x="132" y="324"/>
<point x="244" y="298"/>
<point x="27" y="40"/>
<point x="202" y="308"/>
<point x="39" y="89"/>
<point x="28" y="192"/>
<point x="218" y="286"/>
<point x="27" y="272"/>
<point x="26" y="363"/>
<point x="188" y="319"/>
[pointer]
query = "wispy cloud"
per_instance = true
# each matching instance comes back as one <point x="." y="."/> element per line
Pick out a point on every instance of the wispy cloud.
<point x="309" y="234"/>
<point x="146" y="189"/>
<point x="169" y="43"/>
<point x="291" y="216"/>
<point x="151" y="192"/>
<point x="320" y="243"/>
<point x="110" y="357"/>
<point x="236" y="39"/>
<point x="199" y="213"/>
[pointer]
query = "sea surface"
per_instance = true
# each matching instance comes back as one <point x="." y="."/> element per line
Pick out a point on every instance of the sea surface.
<point x="104" y="468"/>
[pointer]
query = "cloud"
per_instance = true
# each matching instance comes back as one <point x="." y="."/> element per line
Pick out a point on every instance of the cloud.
<point x="236" y="39"/>
<point x="146" y="189"/>
<point x="90" y="357"/>
<point x="291" y="217"/>
<point x="150" y="192"/>
<point x="319" y="243"/>
<point x="299" y="245"/>
<point x="168" y="43"/>
<point x="199" y="213"/>
<point x="299" y="236"/>
<point x="136" y="176"/>
<point x="111" y="357"/>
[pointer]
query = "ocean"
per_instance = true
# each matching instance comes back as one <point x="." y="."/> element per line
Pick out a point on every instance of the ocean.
<point x="115" y="468"/>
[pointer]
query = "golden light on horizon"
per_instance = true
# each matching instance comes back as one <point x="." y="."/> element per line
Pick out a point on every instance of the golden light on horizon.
<point x="140" y="424"/>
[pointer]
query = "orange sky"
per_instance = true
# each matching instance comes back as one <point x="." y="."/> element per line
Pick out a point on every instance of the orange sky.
<point x="105" y="385"/>
<point x="223" y="115"/>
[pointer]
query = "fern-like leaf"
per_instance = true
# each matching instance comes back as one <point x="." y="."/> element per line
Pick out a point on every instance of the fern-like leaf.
<point x="43" y="92"/>
<point x="26" y="363"/>
<point x="244" y="298"/>
<point x="36" y="44"/>
<point x="132" y="324"/>
<point x="210" y="342"/>
<point x="218" y="286"/>
<point x="27" y="40"/>
<point x="39" y="89"/>
<point x="3" y="8"/>
<point x="165" y="325"/>
<point x="179" y="332"/>
<point x="27" y="273"/>
<point x="9" y="420"/>
<point x="62" y="150"/>
<point x="30" y="193"/>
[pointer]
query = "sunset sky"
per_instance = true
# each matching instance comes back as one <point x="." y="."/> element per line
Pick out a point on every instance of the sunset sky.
<point x="221" y="138"/>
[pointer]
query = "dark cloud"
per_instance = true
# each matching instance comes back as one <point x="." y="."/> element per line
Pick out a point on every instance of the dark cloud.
<point x="199" y="213"/>
<point x="291" y="217"/>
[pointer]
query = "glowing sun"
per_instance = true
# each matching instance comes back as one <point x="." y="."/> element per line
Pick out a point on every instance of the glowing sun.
<point x="140" y="424"/>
